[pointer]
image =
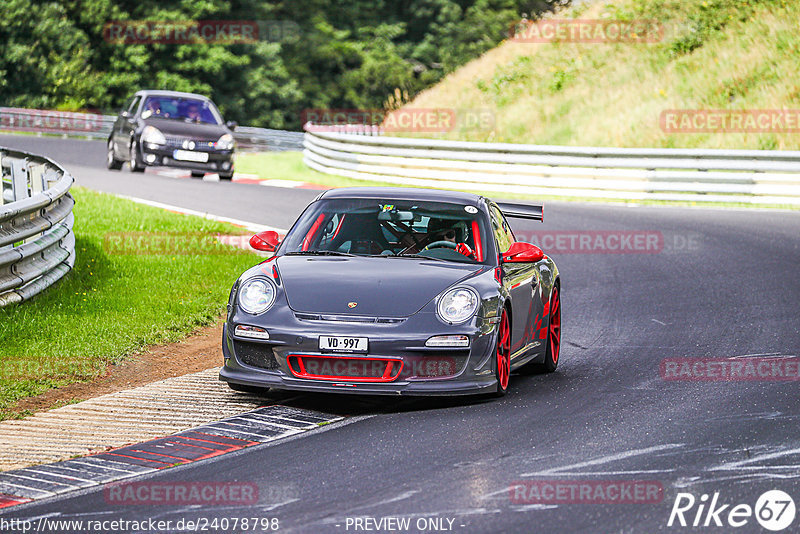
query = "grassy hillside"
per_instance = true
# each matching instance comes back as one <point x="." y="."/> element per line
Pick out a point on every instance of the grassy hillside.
<point x="715" y="54"/>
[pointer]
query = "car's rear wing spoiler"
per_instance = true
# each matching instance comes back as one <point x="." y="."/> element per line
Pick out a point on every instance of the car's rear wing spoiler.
<point x="522" y="211"/>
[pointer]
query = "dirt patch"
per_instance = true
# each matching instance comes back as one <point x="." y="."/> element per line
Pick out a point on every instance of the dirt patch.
<point x="198" y="352"/>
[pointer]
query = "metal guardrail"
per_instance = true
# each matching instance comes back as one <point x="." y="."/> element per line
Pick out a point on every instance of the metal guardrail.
<point x="249" y="138"/>
<point x="97" y="126"/>
<point x="37" y="246"/>
<point x="692" y="175"/>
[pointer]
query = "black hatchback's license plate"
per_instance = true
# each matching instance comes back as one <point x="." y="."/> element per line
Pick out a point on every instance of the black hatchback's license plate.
<point x="343" y="344"/>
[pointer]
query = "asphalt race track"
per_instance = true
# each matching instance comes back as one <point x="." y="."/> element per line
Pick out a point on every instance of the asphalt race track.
<point x="720" y="284"/>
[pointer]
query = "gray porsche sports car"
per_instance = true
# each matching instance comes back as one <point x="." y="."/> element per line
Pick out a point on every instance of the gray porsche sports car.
<point x="395" y="291"/>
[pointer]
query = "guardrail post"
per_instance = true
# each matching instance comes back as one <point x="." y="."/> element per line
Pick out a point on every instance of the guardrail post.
<point x="19" y="180"/>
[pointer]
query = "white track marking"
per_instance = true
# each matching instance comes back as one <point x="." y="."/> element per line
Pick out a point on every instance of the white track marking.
<point x="771" y="356"/>
<point x="528" y="507"/>
<point x="741" y="464"/>
<point x="605" y="459"/>
<point x="253" y="227"/>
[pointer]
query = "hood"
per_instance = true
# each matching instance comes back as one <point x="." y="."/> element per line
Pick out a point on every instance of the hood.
<point x="205" y="132"/>
<point x="381" y="287"/>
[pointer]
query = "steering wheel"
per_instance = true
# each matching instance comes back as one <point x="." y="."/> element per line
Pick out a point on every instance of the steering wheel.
<point x="440" y="244"/>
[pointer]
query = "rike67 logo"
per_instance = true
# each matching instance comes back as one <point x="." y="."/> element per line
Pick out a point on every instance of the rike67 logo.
<point x="774" y="510"/>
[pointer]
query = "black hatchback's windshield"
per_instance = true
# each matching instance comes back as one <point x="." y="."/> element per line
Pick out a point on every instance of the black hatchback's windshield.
<point x="182" y="109"/>
<point x="391" y="228"/>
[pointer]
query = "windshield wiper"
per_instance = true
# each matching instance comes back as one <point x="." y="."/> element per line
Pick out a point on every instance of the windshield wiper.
<point x="418" y="256"/>
<point x="318" y="253"/>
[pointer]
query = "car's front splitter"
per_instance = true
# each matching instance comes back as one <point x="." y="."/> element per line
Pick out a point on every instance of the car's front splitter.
<point x="472" y="386"/>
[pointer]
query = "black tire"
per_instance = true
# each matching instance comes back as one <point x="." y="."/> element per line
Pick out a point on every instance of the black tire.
<point x="253" y="390"/>
<point x="111" y="157"/>
<point x="198" y="174"/>
<point x="226" y="176"/>
<point x="135" y="163"/>
<point x="553" y="341"/>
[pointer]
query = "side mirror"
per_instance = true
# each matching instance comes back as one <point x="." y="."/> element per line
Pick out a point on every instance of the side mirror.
<point x="521" y="252"/>
<point x="231" y="125"/>
<point x="124" y="114"/>
<point x="267" y="241"/>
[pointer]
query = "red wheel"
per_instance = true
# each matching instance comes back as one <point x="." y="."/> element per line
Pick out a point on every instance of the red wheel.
<point x="553" y="333"/>
<point x="503" y="354"/>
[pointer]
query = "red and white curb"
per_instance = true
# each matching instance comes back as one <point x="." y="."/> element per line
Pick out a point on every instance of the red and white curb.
<point x="200" y="416"/>
<point x="263" y="425"/>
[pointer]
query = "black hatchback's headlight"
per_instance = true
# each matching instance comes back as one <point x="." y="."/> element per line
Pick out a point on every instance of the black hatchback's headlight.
<point x="257" y="295"/>
<point x="225" y="142"/>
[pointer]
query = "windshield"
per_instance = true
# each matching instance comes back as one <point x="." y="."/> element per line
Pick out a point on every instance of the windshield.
<point x="390" y="228"/>
<point x="191" y="110"/>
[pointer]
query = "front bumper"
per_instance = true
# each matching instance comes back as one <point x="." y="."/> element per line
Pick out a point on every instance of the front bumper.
<point x="218" y="161"/>
<point x="425" y="370"/>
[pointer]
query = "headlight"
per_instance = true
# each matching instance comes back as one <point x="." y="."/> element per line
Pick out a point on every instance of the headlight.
<point x="457" y="305"/>
<point x="153" y="135"/>
<point x="224" y="143"/>
<point x="256" y="295"/>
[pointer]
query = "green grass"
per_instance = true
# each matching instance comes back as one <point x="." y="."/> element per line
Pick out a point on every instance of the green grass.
<point x="715" y="54"/>
<point x="112" y="304"/>
<point x="289" y="166"/>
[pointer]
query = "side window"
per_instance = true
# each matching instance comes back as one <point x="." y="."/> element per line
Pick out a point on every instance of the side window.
<point x="134" y="104"/>
<point x="127" y="104"/>
<point x="502" y="232"/>
<point x="508" y="231"/>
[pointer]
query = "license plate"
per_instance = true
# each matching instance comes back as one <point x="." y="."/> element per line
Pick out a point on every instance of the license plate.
<point x="343" y="344"/>
<point x="188" y="155"/>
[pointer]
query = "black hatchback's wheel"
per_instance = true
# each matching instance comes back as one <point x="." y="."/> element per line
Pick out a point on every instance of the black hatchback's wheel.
<point x="111" y="158"/>
<point x="134" y="163"/>
<point x="226" y="176"/>
<point x="503" y="354"/>
<point x="254" y="390"/>
<point x="198" y="174"/>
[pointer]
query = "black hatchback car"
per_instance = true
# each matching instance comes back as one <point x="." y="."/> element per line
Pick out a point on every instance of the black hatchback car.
<point x="172" y="129"/>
